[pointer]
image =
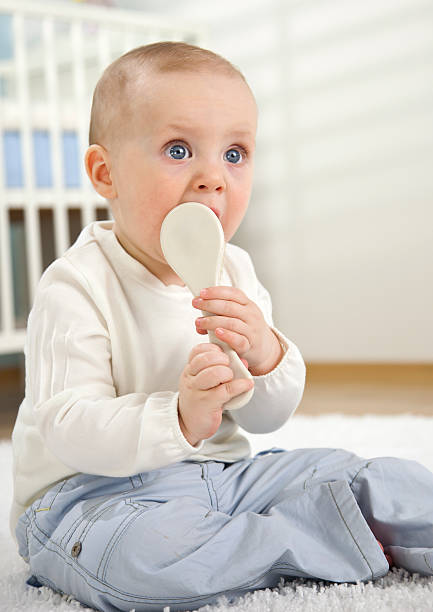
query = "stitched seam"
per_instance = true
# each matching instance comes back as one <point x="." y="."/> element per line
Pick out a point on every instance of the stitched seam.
<point x="309" y="478"/>
<point x="134" y="481"/>
<point x="427" y="562"/>
<point x="130" y="519"/>
<point x="335" y="466"/>
<point x="41" y="542"/>
<point x="28" y="539"/>
<point x="96" y="517"/>
<point x="84" y="516"/>
<point x="33" y="523"/>
<point x="59" y="491"/>
<point x="137" y="504"/>
<point x="216" y="496"/>
<point x="53" y="500"/>
<point x="359" y="471"/>
<point x="349" y="530"/>
<point x="90" y="523"/>
<point x="205" y="478"/>
<point x="107" y="549"/>
<point x="80" y="519"/>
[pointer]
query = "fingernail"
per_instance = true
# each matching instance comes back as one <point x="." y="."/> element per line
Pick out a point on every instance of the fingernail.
<point x="204" y="292"/>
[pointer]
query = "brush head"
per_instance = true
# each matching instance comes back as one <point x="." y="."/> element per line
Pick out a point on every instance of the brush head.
<point x="192" y="240"/>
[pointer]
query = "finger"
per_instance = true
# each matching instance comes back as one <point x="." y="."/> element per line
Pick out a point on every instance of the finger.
<point x="222" y="307"/>
<point x="244" y="361"/>
<point x="212" y="322"/>
<point x="202" y="332"/>
<point x="233" y="388"/>
<point x="224" y="292"/>
<point x="212" y="377"/>
<point x="237" y="342"/>
<point x="203" y="347"/>
<point x="207" y="359"/>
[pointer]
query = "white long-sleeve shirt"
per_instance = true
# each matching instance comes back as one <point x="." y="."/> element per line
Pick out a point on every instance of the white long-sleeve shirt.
<point x="106" y="344"/>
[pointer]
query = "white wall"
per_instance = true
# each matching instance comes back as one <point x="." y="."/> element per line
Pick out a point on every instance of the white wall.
<point x="341" y="217"/>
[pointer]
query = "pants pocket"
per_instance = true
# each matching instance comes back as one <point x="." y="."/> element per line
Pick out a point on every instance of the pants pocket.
<point x="68" y="511"/>
<point x="149" y="553"/>
<point x="91" y="542"/>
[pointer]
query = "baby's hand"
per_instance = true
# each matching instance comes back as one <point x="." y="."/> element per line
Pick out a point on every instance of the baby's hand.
<point x="239" y="322"/>
<point x="205" y="385"/>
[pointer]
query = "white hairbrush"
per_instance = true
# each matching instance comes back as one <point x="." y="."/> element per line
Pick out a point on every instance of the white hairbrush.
<point x="192" y="241"/>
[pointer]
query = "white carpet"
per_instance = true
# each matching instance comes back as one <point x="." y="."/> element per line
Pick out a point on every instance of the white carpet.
<point x="400" y="436"/>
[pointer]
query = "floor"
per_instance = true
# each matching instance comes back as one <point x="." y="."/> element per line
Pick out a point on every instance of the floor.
<point x="368" y="388"/>
<point x="345" y="388"/>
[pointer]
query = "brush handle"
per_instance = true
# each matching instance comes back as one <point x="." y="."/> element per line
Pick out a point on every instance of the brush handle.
<point x="238" y="368"/>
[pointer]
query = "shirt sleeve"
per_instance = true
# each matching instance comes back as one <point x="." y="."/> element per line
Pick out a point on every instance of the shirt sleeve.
<point x="278" y="393"/>
<point x="70" y="386"/>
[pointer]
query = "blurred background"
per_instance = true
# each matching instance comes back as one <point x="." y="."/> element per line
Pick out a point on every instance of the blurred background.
<point x="340" y="224"/>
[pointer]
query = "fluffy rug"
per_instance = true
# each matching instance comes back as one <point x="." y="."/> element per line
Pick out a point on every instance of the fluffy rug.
<point x="405" y="436"/>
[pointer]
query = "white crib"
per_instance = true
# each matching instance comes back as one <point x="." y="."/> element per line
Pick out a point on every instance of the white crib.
<point x="56" y="54"/>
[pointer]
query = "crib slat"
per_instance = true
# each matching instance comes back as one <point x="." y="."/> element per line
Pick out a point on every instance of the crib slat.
<point x="50" y="67"/>
<point x="83" y="104"/>
<point x="7" y="323"/>
<point x="34" y="263"/>
<point x="5" y="264"/>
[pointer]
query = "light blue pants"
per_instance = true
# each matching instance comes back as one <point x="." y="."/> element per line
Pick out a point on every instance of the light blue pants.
<point x="183" y="535"/>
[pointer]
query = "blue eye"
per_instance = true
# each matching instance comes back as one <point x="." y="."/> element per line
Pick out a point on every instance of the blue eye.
<point x="233" y="156"/>
<point x="178" y="151"/>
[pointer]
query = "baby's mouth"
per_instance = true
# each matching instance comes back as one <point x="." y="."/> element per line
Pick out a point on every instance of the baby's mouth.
<point x="212" y="208"/>
<point x="215" y="211"/>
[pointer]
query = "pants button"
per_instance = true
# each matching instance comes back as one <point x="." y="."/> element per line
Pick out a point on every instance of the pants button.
<point x="76" y="549"/>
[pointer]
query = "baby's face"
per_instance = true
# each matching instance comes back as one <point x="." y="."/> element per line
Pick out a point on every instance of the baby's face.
<point x="191" y="137"/>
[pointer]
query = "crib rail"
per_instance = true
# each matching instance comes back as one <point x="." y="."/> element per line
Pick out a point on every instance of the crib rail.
<point x="46" y="81"/>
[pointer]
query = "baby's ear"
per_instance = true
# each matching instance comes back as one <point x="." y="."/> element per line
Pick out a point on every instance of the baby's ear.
<point x="97" y="162"/>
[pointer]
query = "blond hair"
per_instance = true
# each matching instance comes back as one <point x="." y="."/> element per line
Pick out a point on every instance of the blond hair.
<point x="160" y="57"/>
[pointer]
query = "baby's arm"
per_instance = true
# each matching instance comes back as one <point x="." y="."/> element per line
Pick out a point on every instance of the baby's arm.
<point x="70" y="387"/>
<point x="277" y="393"/>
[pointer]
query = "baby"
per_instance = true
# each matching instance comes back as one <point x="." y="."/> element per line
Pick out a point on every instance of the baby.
<point x="133" y="487"/>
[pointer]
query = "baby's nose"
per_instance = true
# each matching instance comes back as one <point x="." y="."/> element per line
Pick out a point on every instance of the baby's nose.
<point x="216" y="188"/>
<point x="210" y="179"/>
